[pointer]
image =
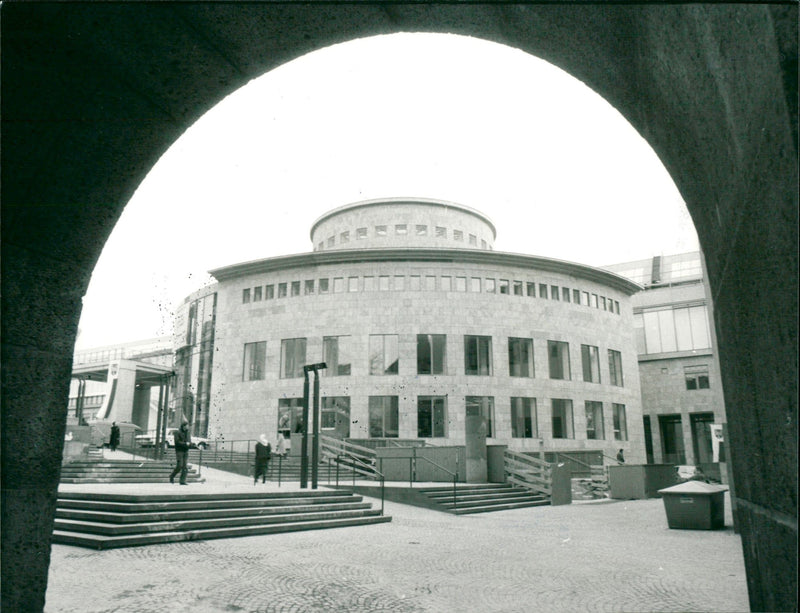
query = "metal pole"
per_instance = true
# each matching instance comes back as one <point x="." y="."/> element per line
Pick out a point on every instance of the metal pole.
<point x="162" y="446"/>
<point x="160" y="412"/>
<point x="304" y="432"/>
<point x="315" y="447"/>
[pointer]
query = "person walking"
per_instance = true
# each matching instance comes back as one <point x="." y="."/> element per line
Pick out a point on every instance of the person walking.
<point x="621" y="456"/>
<point x="182" y="441"/>
<point x="280" y="447"/>
<point x="114" y="439"/>
<point x="263" y="453"/>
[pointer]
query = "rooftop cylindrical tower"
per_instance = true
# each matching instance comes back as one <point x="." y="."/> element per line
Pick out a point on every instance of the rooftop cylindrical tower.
<point x="402" y="223"/>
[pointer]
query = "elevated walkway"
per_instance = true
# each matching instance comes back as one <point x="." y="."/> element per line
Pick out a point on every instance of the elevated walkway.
<point x="100" y="470"/>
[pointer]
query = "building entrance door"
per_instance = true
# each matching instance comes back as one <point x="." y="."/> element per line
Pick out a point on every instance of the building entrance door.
<point x="476" y="430"/>
<point x="701" y="437"/>
<point x="672" y="447"/>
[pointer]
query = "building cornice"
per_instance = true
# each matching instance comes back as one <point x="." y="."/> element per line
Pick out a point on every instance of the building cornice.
<point x="454" y="256"/>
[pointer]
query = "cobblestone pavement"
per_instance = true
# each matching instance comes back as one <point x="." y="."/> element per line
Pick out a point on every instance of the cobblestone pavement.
<point x="599" y="556"/>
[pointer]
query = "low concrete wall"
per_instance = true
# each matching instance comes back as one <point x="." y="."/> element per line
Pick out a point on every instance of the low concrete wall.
<point x="74" y="451"/>
<point x="496" y="463"/>
<point x="635" y="481"/>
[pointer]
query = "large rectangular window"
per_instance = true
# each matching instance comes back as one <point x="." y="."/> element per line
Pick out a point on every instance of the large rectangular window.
<point x="594" y="420"/>
<point x="255" y="361"/>
<point x="520" y="357"/>
<point x="383" y="417"/>
<point x="620" y="422"/>
<point x="293" y="357"/>
<point x="482" y="406"/>
<point x="478" y="355"/>
<point x="334" y="418"/>
<point x="558" y="360"/>
<point x="590" y="356"/>
<point x="431" y="416"/>
<point x="337" y="355"/>
<point x="523" y="418"/>
<point x="615" y="367"/>
<point x="678" y="329"/>
<point x="290" y="416"/>
<point x="561" y="418"/>
<point x="384" y="354"/>
<point x="431" y="350"/>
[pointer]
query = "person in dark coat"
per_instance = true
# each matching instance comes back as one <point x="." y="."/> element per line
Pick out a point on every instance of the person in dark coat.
<point x="183" y="441"/>
<point x="263" y="454"/>
<point x="621" y="456"/>
<point x="114" y="440"/>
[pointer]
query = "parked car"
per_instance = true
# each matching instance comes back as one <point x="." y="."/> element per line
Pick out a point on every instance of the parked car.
<point x="687" y="472"/>
<point x="147" y="439"/>
<point x="197" y="442"/>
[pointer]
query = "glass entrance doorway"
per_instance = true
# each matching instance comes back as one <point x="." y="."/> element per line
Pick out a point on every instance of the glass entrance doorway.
<point x="672" y="447"/>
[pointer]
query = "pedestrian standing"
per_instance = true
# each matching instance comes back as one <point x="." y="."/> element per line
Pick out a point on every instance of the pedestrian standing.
<point x="182" y="441"/>
<point x="263" y="453"/>
<point x="280" y="447"/>
<point x="114" y="439"/>
<point x="621" y="456"/>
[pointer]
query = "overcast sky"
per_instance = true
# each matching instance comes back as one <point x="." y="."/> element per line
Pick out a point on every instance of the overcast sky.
<point x="559" y="171"/>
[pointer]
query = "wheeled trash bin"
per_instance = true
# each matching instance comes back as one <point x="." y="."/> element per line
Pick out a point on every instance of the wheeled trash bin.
<point x="695" y="505"/>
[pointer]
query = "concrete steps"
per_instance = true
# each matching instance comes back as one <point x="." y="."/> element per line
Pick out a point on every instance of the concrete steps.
<point x="122" y="471"/>
<point x="107" y="521"/>
<point x="483" y="498"/>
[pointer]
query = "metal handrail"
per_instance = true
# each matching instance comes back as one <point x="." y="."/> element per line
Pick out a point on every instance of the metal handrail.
<point x="368" y="466"/>
<point x="412" y="472"/>
<point x="571" y="459"/>
<point x="455" y="475"/>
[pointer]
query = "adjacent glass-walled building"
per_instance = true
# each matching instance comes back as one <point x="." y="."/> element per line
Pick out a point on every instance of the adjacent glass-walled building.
<point x="682" y="400"/>
<point x="420" y="323"/>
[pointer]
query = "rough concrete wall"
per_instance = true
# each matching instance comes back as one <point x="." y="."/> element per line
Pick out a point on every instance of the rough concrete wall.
<point x="94" y="93"/>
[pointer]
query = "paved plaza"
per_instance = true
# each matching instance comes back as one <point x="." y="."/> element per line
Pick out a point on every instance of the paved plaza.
<point x="587" y="556"/>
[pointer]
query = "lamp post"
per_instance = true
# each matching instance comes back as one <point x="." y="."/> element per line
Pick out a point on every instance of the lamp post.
<point x="315" y="368"/>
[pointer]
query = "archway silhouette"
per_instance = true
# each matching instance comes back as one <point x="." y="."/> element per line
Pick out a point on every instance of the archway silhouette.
<point x="94" y="93"/>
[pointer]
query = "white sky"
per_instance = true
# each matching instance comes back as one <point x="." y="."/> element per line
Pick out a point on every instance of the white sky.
<point x="557" y="169"/>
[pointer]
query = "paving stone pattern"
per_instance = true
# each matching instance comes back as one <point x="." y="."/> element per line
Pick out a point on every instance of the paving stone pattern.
<point x="592" y="556"/>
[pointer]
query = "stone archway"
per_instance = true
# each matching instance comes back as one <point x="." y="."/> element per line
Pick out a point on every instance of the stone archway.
<point x="94" y="93"/>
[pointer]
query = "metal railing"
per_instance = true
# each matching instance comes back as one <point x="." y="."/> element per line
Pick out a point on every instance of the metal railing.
<point x="412" y="469"/>
<point x="369" y="468"/>
<point x="528" y="472"/>
<point x="332" y="447"/>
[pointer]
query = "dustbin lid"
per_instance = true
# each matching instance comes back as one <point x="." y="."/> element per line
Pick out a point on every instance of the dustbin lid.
<point x="694" y="487"/>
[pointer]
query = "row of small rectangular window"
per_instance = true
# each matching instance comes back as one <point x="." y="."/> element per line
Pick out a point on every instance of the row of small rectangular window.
<point x="432" y="418"/>
<point x="87" y="401"/>
<point x="402" y="229"/>
<point x="384" y="357"/>
<point x="386" y="283"/>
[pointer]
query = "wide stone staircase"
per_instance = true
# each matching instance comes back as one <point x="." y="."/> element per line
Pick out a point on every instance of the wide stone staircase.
<point x="483" y="498"/>
<point x="107" y="521"/>
<point x="99" y="470"/>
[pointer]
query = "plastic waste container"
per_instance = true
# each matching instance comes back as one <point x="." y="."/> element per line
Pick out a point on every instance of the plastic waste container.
<point x="695" y="505"/>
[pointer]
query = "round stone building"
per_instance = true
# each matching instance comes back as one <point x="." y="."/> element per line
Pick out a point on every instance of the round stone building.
<point x="420" y="324"/>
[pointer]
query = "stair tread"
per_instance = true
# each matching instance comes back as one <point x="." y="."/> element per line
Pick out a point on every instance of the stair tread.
<point x="133" y="517"/>
<point x="504" y="507"/>
<point x="103" y="528"/>
<point x="107" y="542"/>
